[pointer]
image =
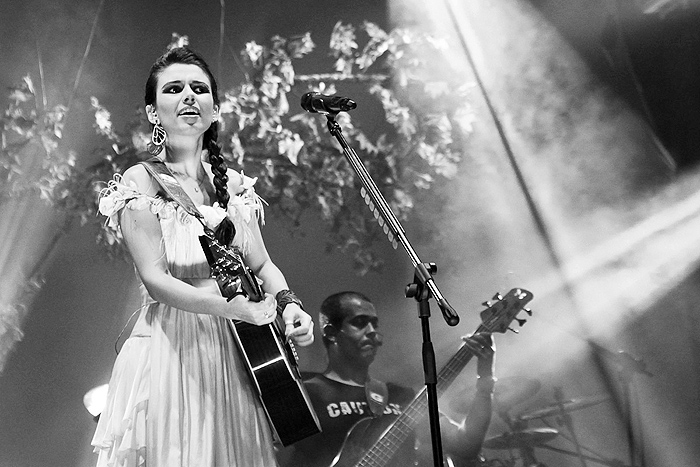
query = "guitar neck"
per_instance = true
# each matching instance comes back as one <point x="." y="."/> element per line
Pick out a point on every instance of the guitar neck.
<point x="381" y="452"/>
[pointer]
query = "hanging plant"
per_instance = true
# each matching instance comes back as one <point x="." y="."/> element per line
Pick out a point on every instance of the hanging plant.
<point x="299" y="166"/>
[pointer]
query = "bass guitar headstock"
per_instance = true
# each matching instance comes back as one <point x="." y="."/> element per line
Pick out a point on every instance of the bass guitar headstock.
<point x="502" y="310"/>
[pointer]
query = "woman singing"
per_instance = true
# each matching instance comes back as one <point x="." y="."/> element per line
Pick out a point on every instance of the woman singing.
<point x="179" y="394"/>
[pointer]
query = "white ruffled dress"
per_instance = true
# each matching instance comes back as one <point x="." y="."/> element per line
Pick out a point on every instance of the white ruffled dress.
<point x="179" y="394"/>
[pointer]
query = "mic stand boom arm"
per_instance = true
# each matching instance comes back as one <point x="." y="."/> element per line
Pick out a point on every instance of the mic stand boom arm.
<point x="388" y="220"/>
<point x="421" y="289"/>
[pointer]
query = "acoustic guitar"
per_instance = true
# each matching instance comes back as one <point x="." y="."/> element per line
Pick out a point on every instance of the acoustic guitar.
<point x="271" y="360"/>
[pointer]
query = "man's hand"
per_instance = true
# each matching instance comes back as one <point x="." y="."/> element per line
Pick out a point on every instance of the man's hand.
<point x="482" y="345"/>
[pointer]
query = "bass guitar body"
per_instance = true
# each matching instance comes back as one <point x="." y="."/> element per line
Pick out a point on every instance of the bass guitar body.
<point x="368" y="433"/>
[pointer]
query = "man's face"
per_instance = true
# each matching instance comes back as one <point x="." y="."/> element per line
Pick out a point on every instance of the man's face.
<point x="358" y="339"/>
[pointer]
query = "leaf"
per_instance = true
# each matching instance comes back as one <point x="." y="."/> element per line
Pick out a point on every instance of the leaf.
<point x="24" y="92"/>
<point x="300" y="46"/>
<point x="253" y="52"/>
<point x="103" y="121"/>
<point x="435" y="89"/>
<point x="378" y="44"/>
<point x="176" y="40"/>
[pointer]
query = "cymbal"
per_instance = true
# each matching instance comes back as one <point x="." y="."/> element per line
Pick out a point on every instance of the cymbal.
<point x="521" y="439"/>
<point x="565" y="407"/>
<point x="509" y="391"/>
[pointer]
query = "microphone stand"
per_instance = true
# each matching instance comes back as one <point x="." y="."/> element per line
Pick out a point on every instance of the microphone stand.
<point x="565" y="418"/>
<point x="423" y="286"/>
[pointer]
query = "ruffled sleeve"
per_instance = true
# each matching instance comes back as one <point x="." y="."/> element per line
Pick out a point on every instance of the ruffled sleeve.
<point x="118" y="195"/>
<point x="244" y="208"/>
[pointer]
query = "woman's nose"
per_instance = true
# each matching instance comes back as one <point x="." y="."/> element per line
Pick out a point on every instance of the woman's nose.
<point x="189" y="98"/>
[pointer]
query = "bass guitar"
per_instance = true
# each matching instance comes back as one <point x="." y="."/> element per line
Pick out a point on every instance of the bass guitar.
<point x="271" y="360"/>
<point x="370" y="442"/>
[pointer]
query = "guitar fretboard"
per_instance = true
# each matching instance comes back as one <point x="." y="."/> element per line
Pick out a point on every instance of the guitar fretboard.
<point x="381" y="453"/>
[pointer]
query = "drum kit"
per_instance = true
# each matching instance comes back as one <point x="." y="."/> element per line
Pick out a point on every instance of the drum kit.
<point x="520" y="440"/>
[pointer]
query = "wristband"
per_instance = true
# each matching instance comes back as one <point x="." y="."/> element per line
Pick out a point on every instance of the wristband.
<point x="284" y="298"/>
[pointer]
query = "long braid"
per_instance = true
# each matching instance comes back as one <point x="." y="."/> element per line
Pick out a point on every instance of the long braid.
<point x="226" y="230"/>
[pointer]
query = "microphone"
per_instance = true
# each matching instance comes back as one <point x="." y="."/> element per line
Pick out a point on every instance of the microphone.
<point x="315" y="102"/>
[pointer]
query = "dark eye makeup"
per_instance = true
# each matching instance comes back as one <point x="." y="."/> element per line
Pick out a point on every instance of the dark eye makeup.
<point x="177" y="87"/>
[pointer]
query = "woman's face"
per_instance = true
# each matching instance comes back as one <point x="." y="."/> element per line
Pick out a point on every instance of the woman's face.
<point x="184" y="102"/>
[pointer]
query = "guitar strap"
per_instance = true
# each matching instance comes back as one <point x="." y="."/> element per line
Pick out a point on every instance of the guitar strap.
<point x="167" y="181"/>
<point x="377" y="395"/>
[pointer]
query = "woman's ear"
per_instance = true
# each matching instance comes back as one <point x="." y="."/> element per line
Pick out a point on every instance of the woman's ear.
<point x="215" y="116"/>
<point x="151" y="114"/>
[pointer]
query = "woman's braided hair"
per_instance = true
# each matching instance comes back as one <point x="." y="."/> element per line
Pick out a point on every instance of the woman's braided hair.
<point x="225" y="231"/>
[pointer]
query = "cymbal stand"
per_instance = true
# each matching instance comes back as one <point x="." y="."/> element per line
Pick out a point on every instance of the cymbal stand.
<point x="527" y="454"/>
<point x="592" y="455"/>
<point x="627" y="367"/>
<point x="636" y="450"/>
<point x="565" y="419"/>
<point x="599" y="460"/>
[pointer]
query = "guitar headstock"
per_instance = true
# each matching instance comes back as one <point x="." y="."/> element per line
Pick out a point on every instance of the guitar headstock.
<point x="229" y="270"/>
<point x="502" y="310"/>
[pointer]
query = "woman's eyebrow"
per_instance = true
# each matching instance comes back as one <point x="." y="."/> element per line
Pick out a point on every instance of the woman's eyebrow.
<point x="169" y="83"/>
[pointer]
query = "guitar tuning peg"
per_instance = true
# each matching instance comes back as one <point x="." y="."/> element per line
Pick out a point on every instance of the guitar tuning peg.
<point x="498" y="296"/>
<point x="528" y="311"/>
<point x="521" y="321"/>
<point x="513" y="330"/>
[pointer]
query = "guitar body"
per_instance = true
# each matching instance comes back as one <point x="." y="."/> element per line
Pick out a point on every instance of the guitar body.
<point x="273" y="368"/>
<point x="369" y="432"/>
<point x="271" y="360"/>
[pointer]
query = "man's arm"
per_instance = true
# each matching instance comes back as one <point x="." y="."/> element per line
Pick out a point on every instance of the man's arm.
<point x="466" y="438"/>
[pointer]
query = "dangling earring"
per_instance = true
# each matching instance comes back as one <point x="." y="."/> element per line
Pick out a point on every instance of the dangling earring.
<point x="157" y="139"/>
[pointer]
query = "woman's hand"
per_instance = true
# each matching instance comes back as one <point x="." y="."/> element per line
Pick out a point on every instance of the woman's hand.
<point x="298" y="325"/>
<point x="257" y="313"/>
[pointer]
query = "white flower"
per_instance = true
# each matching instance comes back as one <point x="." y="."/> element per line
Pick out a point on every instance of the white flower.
<point x="213" y="215"/>
<point x="238" y="209"/>
<point x="247" y="182"/>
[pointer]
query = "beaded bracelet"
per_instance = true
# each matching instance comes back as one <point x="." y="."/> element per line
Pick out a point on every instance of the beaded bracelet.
<point x="285" y="297"/>
<point x="485" y="384"/>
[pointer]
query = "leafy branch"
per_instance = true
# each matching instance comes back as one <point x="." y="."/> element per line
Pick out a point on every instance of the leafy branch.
<point x="300" y="168"/>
